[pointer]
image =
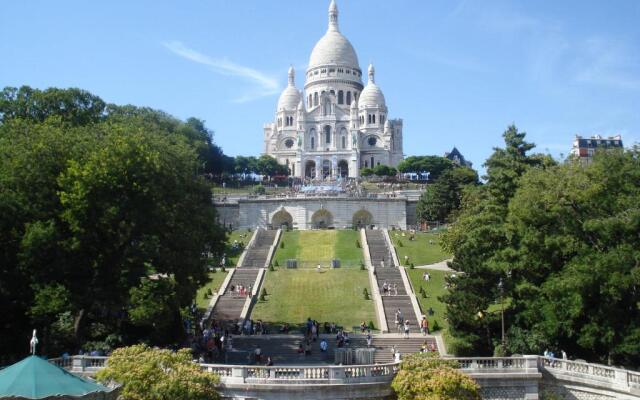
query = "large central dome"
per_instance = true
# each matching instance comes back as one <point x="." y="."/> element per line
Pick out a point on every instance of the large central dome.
<point x="333" y="48"/>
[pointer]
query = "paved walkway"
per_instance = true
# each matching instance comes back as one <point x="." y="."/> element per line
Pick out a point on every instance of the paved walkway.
<point x="439" y="266"/>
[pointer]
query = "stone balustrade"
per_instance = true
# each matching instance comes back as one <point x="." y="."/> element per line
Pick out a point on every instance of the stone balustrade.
<point x="519" y="377"/>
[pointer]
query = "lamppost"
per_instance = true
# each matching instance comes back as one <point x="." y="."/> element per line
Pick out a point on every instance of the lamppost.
<point x="501" y="288"/>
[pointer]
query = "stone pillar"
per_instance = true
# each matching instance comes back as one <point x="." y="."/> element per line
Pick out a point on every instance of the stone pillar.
<point x="318" y="167"/>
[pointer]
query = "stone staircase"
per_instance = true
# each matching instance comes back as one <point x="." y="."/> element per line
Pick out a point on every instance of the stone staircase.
<point x="385" y="271"/>
<point x="229" y="305"/>
<point x="283" y="348"/>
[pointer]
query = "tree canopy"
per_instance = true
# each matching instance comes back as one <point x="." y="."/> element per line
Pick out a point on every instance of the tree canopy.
<point x="427" y="377"/>
<point x="91" y="206"/>
<point x="444" y="196"/>
<point x="154" y="374"/>
<point x="563" y="241"/>
<point x="434" y="165"/>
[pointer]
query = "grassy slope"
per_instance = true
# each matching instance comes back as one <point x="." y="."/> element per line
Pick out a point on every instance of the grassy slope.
<point x="333" y="295"/>
<point x="243" y="236"/>
<point x="434" y="289"/>
<point x="215" y="280"/>
<point x="313" y="247"/>
<point x="420" y="251"/>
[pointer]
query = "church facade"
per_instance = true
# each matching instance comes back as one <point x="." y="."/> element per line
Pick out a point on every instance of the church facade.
<point x="335" y="126"/>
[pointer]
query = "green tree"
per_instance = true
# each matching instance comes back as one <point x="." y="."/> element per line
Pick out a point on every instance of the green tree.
<point x="428" y="377"/>
<point x="434" y="165"/>
<point x="153" y="374"/>
<point x="475" y="239"/>
<point x="445" y="195"/>
<point x="384" y="170"/>
<point x="573" y="256"/>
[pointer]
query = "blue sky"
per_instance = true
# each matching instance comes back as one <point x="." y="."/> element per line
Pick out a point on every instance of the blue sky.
<point x="457" y="72"/>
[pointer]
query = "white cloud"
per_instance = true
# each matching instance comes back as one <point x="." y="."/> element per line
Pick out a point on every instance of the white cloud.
<point x="608" y="63"/>
<point x="265" y="85"/>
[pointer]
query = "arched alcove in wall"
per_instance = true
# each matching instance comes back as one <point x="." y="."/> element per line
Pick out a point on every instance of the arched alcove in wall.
<point x="280" y="218"/>
<point x="362" y="218"/>
<point x="321" y="219"/>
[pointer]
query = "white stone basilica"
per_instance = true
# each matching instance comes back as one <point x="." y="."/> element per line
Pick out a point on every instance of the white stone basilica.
<point x="336" y="126"/>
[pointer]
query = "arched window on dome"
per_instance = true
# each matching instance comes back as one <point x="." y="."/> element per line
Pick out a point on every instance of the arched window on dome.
<point x="340" y="97"/>
<point x="315" y="99"/>
<point x="349" y="98"/>
<point x="368" y="118"/>
<point x="373" y="118"/>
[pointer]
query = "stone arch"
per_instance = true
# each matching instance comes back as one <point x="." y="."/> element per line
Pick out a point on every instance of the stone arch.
<point x="310" y="169"/>
<point x="322" y="219"/>
<point x="343" y="167"/>
<point x="362" y="218"/>
<point x="282" y="217"/>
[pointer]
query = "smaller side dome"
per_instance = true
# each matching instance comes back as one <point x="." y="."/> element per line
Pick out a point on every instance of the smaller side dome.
<point x="371" y="94"/>
<point x="290" y="97"/>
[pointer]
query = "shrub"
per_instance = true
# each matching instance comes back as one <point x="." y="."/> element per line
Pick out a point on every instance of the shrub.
<point x="371" y="325"/>
<point x="365" y="293"/>
<point x="205" y="295"/>
<point x="426" y="376"/>
<point x="264" y="292"/>
<point x="147" y="374"/>
<point x="435" y="327"/>
<point x="275" y="264"/>
<point x="271" y="267"/>
<point x="400" y="243"/>
<point x="412" y="266"/>
<point x="499" y="351"/>
<point x="362" y="268"/>
<point x="282" y="245"/>
<point x="223" y="269"/>
<point x="209" y="292"/>
<point x="357" y="243"/>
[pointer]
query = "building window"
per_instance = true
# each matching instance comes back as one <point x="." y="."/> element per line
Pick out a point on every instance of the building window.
<point x="327" y="134"/>
<point x="340" y="97"/>
<point x="348" y="98"/>
<point x="313" y="144"/>
<point x="310" y="102"/>
<point x="344" y="142"/>
<point x="372" y="164"/>
<point x="372" y="141"/>
<point x="368" y="118"/>
<point x="373" y="117"/>
<point x="289" y="144"/>
<point x="315" y="99"/>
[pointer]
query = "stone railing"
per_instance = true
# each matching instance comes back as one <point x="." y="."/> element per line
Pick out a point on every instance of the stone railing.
<point x="595" y="374"/>
<point x="85" y="365"/>
<point x="489" y="371"/>
<point x="288" y="375"/>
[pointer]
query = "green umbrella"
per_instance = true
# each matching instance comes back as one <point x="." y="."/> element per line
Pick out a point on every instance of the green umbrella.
<point x="35" y="378"/>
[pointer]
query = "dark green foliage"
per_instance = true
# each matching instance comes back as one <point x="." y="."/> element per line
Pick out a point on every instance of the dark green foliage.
<point x="365" y="293"/>
<point x="282" y="245"/>
<point x="412" y="266"/>
<point x="264" y="292"/>
<point x="436" y="326"/>
<point x="434" y="165"/>
<point x="95" y="198"/>
<point x="400" y="243"/>
<point x="444" y="196"/>
<point x="271" y="266"/>
<point x="362" y="267"/>
<point x="384" y="170"/>
<point x="275" y="264"/>
<point x="371" y="325"/>
<point x="223" y="269"/>
<point x="209" y="292"/>
<point x="358" y="244"/>
<point x="366" y="172"/>
<point x="563" y="240"/>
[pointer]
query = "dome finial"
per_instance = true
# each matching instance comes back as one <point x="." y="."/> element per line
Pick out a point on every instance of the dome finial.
<point x="372" y="73"/>
<point x="292" y="76"/>
<point x="333" y="16"/>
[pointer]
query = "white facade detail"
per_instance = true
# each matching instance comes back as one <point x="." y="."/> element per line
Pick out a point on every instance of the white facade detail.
<point x="336" y="126"/>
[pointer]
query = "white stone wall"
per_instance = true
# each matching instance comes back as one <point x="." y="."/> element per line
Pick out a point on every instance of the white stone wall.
<point x="387" y="213"/>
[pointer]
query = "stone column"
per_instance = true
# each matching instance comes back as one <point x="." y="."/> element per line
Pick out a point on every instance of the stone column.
<point x="318" y="167"/>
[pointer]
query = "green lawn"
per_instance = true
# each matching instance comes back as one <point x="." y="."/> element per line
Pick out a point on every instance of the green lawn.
<point x="434" y="289"/>
<point x="243" y="236"/>
<point x="215" y="280"/>
<point x="419" y="250"/>
<point x="313" y="247"/>
<point x="333" y="295"/>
